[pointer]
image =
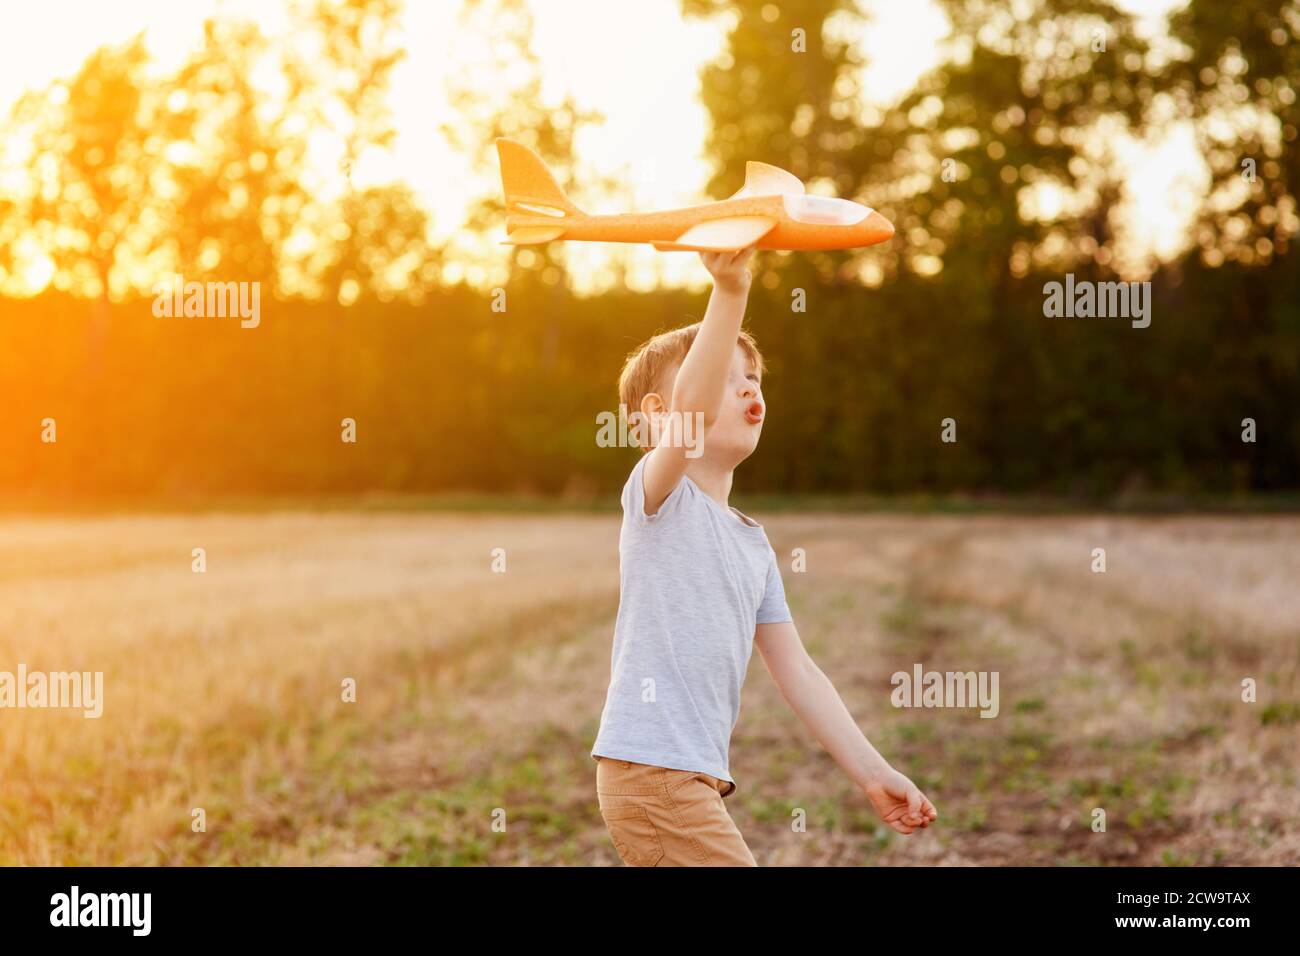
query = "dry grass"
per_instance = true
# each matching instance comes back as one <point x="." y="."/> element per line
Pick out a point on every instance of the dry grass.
<point x="479" y="691"/>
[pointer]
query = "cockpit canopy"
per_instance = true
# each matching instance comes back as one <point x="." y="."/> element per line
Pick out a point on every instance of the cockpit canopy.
<point x="824" y="210"/>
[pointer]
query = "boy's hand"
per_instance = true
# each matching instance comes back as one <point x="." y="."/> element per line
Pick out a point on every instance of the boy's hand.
<point x="899" y="802"/>
<point x="730" y="270"/>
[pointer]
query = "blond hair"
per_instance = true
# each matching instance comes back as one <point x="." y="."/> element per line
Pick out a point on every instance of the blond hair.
<point x="644" y="370"/>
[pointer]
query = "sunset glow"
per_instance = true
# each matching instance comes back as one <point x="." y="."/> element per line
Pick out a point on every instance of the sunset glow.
<point x="650" y="144"/>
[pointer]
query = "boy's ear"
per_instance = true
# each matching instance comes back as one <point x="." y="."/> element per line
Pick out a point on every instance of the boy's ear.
<point x="652" y="404"/>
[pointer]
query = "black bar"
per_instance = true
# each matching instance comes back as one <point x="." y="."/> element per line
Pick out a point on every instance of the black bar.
<point x="977" y="905"/>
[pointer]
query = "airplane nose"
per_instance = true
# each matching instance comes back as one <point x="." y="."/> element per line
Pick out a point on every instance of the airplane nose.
<point x="877" y="229"/>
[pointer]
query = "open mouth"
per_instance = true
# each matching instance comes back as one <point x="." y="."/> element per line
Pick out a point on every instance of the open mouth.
<point x="754" y="413"/>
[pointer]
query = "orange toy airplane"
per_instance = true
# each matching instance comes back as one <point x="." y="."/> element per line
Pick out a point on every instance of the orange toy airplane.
<point x="770" y="211"/>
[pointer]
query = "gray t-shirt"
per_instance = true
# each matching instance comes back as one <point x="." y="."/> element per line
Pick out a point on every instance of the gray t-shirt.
<point x="695" y="579"/>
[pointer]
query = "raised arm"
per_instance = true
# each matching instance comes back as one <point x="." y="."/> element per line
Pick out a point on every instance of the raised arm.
<point x="702" y="378"/>
<point x="815" y="701"/>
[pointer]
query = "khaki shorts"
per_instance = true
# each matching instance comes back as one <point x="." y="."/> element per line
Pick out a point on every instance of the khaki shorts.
<point x="662" y="817"/>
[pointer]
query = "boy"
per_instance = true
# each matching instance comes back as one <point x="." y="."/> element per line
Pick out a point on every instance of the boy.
<point x="699" y="588"/>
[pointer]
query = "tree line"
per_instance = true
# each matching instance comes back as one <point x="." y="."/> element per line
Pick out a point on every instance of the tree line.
<point x="927" y="365"/>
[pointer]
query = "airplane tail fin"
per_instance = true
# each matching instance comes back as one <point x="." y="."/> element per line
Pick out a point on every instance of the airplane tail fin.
<point x="531" y="189"/>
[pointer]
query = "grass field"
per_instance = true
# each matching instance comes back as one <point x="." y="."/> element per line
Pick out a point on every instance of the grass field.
<point x="479" y="691"/>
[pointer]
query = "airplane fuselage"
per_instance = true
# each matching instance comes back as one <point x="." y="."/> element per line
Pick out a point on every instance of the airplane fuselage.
<point x="664" y="227"/>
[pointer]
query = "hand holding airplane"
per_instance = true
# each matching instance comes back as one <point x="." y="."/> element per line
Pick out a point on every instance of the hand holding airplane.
<point x="771" y="211"/>
<point x="730" y="270"/>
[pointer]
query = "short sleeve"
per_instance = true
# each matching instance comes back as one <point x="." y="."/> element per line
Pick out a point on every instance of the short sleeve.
<point x="634" y="497"/>
<point x="773" y="609"/>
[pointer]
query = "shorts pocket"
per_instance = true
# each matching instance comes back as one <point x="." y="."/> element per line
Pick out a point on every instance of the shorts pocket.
<point x="634" y="835"/>
<point x="679" y="778"/>
<point x="674" y="780"/>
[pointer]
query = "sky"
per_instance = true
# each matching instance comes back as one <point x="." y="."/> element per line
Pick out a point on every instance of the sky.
<point x="654" y="129"/>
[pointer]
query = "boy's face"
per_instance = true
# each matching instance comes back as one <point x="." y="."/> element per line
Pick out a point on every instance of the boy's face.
<point x="740" y="418"/>
<point x="734" y="434"/>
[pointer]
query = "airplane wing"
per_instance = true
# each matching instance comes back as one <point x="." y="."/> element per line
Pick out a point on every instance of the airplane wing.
<point x="721" y="235"/>
<point x="737" y="232"/>
<point x="764" y="180"/>
<point x="528" y="235"/>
